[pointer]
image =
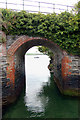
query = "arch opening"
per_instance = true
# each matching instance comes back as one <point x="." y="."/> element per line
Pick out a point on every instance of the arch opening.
<point x="16" y="58"/>
<point x="37" y="75"/>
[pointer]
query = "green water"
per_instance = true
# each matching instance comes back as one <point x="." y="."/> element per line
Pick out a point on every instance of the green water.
<point x="41" y="98"/>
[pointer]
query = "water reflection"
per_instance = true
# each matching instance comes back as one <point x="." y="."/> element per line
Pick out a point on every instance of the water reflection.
<point x="42" y="98"/>
<point x="58" y="105"/>
<point x="37" y="76"/>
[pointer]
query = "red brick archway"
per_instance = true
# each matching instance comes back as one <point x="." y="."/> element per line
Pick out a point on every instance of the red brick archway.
<point x="25" y="43"/>
<point x="34" y="41"/>
<point x="22" y="40"/>
<point x="66" y="78"/>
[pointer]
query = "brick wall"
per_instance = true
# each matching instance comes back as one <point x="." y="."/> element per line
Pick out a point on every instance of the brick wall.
<point x="66" y="67"/>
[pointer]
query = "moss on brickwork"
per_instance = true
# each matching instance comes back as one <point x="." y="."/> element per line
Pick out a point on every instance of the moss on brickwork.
<point x="71" y="92"/>
<point x="2" y="37"/>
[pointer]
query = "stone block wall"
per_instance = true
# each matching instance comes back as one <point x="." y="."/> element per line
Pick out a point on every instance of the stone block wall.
<point x="75" y="65"/>
<point x="64" y="68"/>
<point x="3" y="78"/>
<point x="11" y="39"/>
<point x="71" y="75"/>
<point x="19" y="69"/>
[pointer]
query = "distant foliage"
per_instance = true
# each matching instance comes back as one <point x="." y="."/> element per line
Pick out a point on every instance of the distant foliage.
<point x="62" y="28"/>
<point x="45" y="51"/>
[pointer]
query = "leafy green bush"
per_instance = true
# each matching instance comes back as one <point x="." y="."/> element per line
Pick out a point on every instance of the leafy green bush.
<point x="62" y="28"/>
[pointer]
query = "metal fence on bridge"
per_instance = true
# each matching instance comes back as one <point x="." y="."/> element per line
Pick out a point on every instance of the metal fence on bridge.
<point x="34" y="6"/>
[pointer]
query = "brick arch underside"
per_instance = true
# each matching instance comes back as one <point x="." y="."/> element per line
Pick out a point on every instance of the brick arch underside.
<point x="16" y="52"/>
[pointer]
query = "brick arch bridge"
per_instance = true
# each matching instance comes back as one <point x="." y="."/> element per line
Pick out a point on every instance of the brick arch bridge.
<point x="66" y="67"/>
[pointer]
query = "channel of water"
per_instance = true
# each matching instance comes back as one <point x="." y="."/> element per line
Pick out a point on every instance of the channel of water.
<point x="41" y="98"/>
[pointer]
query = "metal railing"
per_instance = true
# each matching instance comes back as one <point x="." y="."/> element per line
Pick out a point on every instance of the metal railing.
<point x="35" y="6"/>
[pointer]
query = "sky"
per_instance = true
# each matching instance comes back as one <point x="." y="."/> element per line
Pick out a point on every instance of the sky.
<point x="44" y="7"/>
<point x="33" y="50"/>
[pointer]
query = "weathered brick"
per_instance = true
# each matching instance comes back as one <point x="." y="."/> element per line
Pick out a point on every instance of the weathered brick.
<point x="66" y="67"/>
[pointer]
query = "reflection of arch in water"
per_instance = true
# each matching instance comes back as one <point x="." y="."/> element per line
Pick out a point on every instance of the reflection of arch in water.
<point x="53" y="101"/>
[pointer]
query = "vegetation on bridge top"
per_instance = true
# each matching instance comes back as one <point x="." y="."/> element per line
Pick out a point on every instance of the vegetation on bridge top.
<point x="62" y="29"/>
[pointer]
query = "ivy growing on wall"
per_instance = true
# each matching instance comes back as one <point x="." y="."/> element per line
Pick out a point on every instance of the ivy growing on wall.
<point x="62" y="28"/>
